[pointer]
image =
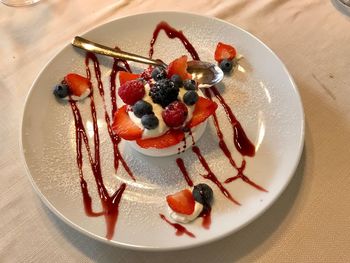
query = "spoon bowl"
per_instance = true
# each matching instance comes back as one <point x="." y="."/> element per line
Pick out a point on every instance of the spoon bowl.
<point x="206" y="74"/>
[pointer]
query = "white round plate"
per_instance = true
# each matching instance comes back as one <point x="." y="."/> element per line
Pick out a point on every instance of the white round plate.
<point x="261" y="93"/>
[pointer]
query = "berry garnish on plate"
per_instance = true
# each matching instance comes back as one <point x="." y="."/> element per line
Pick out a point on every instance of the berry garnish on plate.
<point x="181" y="202"/>
<point x="77" y="84"/>
<point x="179" y="67"/>
<point x="226" y="65"/>
<point x="124" y="127"/>
<point x="149" y="121"/>
<point x="127" y="76"/>
<point x="203" y="109"/>
<point x="224" y="51"/>
<point x="190" y="97"/>
<point x="61" y="91"/>
<point x="131" y="91"/>
<point x="141" y="108"/>
<point x="170" y="138"/>
<point x="203" y="194"/>
<point x="175" y="114"/>
<point x="164" y="92"/>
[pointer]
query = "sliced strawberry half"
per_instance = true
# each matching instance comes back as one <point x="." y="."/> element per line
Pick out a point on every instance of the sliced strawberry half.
<point x="181" y="202"/>
<point x="224" y="51"/>
<point x="127" y="76"/>
<point x="203" y="109"/>
<point x="77" y="84"/>
<point x="124" y="127"/>
<point x="179" y="67"/>
<point x="172" y="137"/>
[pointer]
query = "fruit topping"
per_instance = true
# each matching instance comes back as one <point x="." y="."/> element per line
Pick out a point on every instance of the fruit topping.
<point x="177" y="80"/>
<point x="131" y="91"/>
<point x="61" y="91"/>
<point x="226" y="65"/>
<point x="175" y="114"/>
<point x="149" y="121"/>
<point x="202" y="193"/>
<point x="224" y="51"/>
<point x="77" y="84"/>
<point x="203" y="109"/>
<point x="179" y="67"/>
<point x="127" y="76"/>
<point x="147" y="74"/>
<point x="190" y="84"/>
<point x="159" y="73"/>
<point x="190" y="97"/>
<point x="141" y="108"/>
<point x="164" y="92"/>
<point x="172" y="137"/>
<point x="124" y="127"/>
<point x="181" y="202"/>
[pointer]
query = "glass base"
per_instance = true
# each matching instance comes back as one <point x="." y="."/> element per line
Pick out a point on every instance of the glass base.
<point x="19" y="2"/>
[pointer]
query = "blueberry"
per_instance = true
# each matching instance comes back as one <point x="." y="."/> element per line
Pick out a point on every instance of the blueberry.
<point x="177" y="80"/>
<point x="141" y="108"/>
<point x="190" y="84"/>
<point x="61" y="91"/>
<point x="226" y="65"/>
<point x="159" y="73"/>
<point x="203" y="194"/>
<point x="190" y="98"/>
<point x="149" y="121"/>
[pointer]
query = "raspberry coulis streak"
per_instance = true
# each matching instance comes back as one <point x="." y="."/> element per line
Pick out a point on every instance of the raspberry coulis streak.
<point x="180" y="163"/>
<point x="110" y="204"/>
<point x="180" y="230"/>
<point x="114" y="138"/>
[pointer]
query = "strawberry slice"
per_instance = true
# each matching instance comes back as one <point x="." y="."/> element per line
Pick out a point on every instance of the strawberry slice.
<point x="124" y="127"/>
<point x="203" y="109"/>
<point x="172" y="137"/>
<point x="77" y="84"/>
<point x="127" y="76"/>
<point x="179" y="67"/>
<point x="224" y="51"/>
<point x="181" y="202"/>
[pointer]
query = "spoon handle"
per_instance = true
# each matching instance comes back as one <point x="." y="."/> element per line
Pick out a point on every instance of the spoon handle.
<point x="93" y="47"/>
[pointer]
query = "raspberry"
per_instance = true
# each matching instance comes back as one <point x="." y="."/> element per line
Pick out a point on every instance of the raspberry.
<point x="131" y="91"/>
<point x="164" y="92"/>
<point x="175" y="114"/>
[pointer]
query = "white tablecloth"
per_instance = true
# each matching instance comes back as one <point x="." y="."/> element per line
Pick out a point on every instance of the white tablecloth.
<point x="310" y="222"/>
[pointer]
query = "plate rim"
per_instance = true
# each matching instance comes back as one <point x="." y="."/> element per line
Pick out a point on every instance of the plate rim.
<point x="300" y="147"/>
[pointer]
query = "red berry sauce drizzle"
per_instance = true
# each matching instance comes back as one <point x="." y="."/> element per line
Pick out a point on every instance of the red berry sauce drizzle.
<point x="242" y="143"/>
<point x="110" y="203"/>
<point x="180" y="230"/>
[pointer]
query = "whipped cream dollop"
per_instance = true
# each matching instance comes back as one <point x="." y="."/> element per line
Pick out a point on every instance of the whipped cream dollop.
<point x="182" y="218"/>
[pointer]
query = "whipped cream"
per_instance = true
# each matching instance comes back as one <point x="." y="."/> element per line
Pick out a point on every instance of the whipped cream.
<point x="182" y="218"/>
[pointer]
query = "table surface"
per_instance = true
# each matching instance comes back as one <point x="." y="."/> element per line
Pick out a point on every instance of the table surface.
<point x="308" y="223"/>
